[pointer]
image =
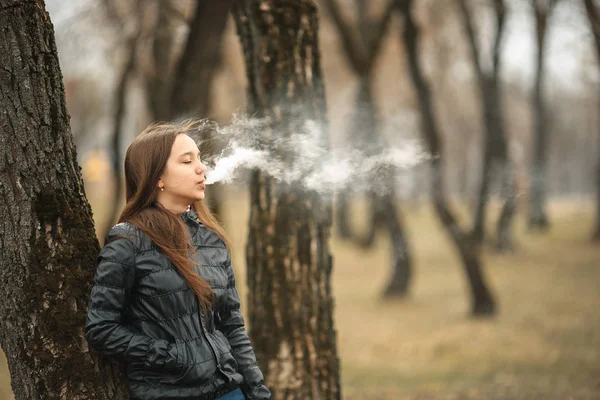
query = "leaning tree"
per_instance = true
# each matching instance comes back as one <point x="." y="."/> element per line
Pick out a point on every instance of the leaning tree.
<point x="483" y="303"/>
<point x="48" y="244"/>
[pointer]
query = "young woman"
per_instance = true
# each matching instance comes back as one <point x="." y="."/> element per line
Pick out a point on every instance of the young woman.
<point x="164" y="299"/>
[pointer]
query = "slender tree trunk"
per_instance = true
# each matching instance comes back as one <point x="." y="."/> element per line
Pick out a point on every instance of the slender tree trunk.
<point x="361" y="51"/>
<point x="362" y="130"/>
<point x="401" y="256"/>
<point x="470" y="253"/>
<point x="537" y="217"/>
<point x="504" y="234"/>
<point x="48" y="245"/>
<point x="593" y="13"/>
<point x="496" y="163"/>
<point x="119" y="111"/>
<point x="288" y="255"/>
<point x="194" y="74"/>
<point x="158" y="80"/>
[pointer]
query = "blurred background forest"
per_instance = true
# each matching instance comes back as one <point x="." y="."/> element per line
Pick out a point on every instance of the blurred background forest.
<point x="407" y="325"/>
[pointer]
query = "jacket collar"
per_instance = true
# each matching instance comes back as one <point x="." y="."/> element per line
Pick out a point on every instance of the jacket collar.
<point x="190" y="215"/>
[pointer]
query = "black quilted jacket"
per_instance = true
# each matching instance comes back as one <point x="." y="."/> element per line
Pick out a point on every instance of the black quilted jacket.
<point x="142" y="311"/>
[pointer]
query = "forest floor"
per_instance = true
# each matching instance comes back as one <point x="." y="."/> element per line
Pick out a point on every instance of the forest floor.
<point x="544" y="343"/>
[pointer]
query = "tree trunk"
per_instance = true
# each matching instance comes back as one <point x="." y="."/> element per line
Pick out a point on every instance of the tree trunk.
<point x="496" y="163"/>
<point x="288" y="256"/>
<point x="470" y="253"/>
<point x="119" y="112"/>
<point x="537" y="218"/>
<point x="401" y="257"/>
<point x="362" y="130"/>
<point x="361" y="51"/>
<point x="158" y="82"/>
<point x="361" y="47"/>
<point x="194" y="75"/>
<point x="48" y="246"/>
<point x="190" y="94"/>
<point x="504" y="238"/>
<point x="593" y="14"/>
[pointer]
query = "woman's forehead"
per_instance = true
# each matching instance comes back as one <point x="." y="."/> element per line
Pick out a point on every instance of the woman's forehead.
<point x="183" y="144"/>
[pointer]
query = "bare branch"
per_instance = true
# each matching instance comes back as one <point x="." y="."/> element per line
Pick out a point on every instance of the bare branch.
<point x="353" y="45"/>
<point x="500" y="11"/>
<point x="470" y="29"/>
<point x="383" y="25"/>
<point x="594" y="17"/>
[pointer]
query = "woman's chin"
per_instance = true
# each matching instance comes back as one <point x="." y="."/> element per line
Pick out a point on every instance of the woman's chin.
<point x="199" y="196"/>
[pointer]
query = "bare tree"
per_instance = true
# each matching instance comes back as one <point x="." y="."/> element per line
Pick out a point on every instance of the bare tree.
<point x="118" y="113"/>
<point x="537" y="216"/>
<point x="470" y="252"/>
<point x="288" y="255"/>
<point x="174" y="89"/>
<point x="362" y="46"/>
<point x="496" y="162"/>
<point x="48" y="244"/>
<point x="593" y="14"/>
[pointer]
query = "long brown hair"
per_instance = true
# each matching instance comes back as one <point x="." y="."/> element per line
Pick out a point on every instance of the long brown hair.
<point x="145" y="162"/>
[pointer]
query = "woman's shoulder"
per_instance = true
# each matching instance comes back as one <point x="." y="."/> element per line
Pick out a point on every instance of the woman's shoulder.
<point x="208" y="238"/>
<point x="127" y="231"/>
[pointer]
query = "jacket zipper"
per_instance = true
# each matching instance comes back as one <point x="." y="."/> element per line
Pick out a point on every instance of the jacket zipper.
<point x="204" y="330"/>
<point x="209" y="342"/>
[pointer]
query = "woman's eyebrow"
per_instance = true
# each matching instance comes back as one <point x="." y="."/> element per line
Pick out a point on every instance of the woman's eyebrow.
<point x="189" y="153"/>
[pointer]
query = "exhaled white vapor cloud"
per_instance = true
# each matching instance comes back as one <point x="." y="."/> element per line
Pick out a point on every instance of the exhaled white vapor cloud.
<point x="310" y="163"/>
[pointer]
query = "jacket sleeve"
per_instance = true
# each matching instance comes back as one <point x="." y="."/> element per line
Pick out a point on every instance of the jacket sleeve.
<point x="104" y="326"/>
<point x="230" y="321"/>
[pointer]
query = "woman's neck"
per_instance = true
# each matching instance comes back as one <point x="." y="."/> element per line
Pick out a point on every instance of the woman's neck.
<point x="174" y="207"/>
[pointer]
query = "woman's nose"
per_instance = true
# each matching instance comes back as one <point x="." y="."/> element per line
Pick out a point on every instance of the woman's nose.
<point x="201" y="168"/>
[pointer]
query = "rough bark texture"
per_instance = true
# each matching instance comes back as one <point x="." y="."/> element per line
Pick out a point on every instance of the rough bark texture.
<point x="288" y="255"/>
<point x="593" y="13"/>
<point x="496" y="162"/>
<point x="361" y="47"/>
<point x="537" y="217"/>
<point x="47" y="241"/>
<point x="470" y="253"/>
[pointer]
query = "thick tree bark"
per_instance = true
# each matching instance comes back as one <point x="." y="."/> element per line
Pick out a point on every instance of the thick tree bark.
<point x="496" y="161"/>
<point x="537" y="217"/>
<point x="48" y="245"/>
<point x="470" y="253"/>
<point x="288" y="256"/>
<point x="593" y="13"/>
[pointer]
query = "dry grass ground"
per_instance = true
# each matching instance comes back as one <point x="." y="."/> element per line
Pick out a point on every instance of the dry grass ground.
<point x="544" y="344"/>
